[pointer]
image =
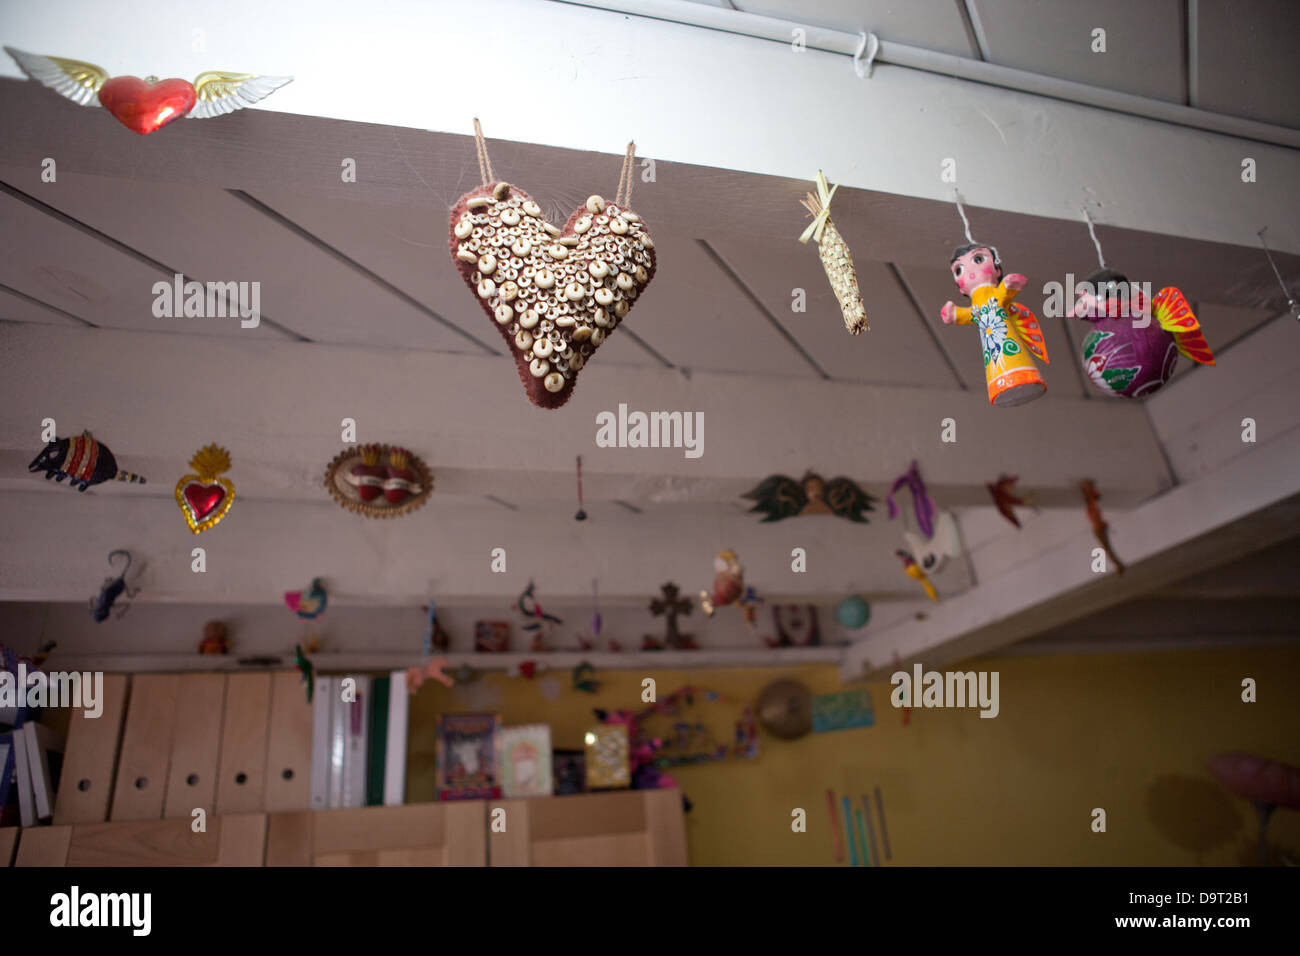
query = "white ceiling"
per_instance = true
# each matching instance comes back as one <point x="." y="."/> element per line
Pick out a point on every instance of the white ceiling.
<point x="1228" y="56"/>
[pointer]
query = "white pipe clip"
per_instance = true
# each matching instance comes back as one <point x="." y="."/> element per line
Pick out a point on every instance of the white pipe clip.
<point x="861" y="67"/>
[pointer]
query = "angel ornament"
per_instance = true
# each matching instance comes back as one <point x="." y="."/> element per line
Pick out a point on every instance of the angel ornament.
<point x="147" y="105"/>
<point x="1009" y="332"/>
<point x="780" y="497"/>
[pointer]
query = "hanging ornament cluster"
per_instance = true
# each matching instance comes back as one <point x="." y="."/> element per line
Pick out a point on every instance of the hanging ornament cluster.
<point x="1009" y="332"/>
<point x="379" y="481"/>
<point x="204" y="496"/>
<point x="144" y="106"/>
<point x="778" y="497"/>
<point x="82" y="460"/>
<point x="553" y="294"/>
<point x="835" y="256"/>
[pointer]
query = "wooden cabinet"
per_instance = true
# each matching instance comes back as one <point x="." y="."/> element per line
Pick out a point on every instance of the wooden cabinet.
<point x="624" y="828"/>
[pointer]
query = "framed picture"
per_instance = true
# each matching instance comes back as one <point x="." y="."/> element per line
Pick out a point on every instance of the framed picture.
<point x="467" y="757"/>
<point x="569" y="771"/>
<point x="492" y="636"/>
<point x="524" y="756"/>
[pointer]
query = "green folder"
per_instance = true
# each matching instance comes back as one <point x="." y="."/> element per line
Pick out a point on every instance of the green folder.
<point x="378" y="742"/>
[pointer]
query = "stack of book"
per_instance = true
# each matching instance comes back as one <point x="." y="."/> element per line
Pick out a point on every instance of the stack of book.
<point x="359" y="729"/>
<point x="31" y="757"/>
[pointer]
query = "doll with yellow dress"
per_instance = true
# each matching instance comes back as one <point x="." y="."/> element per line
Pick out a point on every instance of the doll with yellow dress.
<point x="1009" y="332"/>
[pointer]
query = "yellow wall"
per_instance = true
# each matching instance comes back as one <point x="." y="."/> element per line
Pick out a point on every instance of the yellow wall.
<point x="1128" y="733"/>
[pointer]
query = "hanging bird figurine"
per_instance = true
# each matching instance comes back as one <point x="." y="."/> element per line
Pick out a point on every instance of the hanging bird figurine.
<point x="729" y="588"/>
<point x="535" y="619"/>
<point x="308" y="605"/>
<point x="1126" y="353"/>
<point x="1005" y="498"/>
<point x="1100" y="530"/>
<point x="145" y="106"/>
<point x="914" y="572"/>
<point x="835" y="256"/>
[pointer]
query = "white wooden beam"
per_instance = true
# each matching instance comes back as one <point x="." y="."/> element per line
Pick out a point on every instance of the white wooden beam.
<point x="663" y="83"/>
<point x="280" y="405"/>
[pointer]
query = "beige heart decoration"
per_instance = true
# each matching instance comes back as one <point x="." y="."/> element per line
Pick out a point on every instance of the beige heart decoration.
<point x="554" y="294"/>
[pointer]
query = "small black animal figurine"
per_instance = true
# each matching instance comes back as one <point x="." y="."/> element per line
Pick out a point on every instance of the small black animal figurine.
<point x="111" y="590"/>
<point x="83" y="460"/>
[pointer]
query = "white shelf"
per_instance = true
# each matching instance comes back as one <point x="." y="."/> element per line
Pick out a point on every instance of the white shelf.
<point x="554" y="662"/>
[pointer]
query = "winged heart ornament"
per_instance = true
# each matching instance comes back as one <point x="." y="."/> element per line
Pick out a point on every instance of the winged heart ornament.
<point x="144" y="106"/>
<point x="554" y="294"/>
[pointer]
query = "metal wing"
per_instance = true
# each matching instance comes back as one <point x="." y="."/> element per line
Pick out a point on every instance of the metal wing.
<point x="220" y="93"/>
<point x="778" y="497"/>
<point x="78" y="81"/>
<point x="847" y="500"/>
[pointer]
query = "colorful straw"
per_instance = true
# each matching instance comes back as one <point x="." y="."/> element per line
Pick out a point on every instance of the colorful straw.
<point x="884" y="833"/>
<point x="848" y="823"/>
<point x="871" y="831"/>
<point x="862" y="840"/>
<point x="835" y="827"/>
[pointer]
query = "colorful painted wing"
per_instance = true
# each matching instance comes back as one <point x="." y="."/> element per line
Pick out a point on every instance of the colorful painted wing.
<point x="1175" y="316"/>
<point x="1026" y="325"/>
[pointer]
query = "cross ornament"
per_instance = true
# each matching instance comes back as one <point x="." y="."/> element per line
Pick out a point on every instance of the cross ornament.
<point x="670" y="606"/>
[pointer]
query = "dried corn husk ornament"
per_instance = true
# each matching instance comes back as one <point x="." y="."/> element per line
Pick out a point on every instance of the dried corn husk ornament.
<point x="835" y="255"/>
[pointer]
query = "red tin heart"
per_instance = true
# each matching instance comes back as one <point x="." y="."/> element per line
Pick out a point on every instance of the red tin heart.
<point x="142" y="106"/>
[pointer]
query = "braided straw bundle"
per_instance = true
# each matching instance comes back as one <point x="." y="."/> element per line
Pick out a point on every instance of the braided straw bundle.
<point x="835" y="256"/>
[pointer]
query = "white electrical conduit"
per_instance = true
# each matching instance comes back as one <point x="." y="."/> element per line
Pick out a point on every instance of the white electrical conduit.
<point x="963" y="68"/>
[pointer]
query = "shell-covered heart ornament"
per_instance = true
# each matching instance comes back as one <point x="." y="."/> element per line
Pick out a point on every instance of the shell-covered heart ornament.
<point x="555" y="295"/>
<point x="205" y="497"/>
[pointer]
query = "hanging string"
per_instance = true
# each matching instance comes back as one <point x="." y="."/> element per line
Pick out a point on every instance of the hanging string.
<point x="624" y="194"/>
<point x="581" y="515"/>
<point x="962" y="212"/>
<point x="484" y="164"/>
<point x="1290" y="301"/>
<point x="1093" y="232"/>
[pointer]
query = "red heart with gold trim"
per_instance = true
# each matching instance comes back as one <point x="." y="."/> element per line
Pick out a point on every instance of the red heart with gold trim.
<point x="144" y="107"/>
<point x="204" y="504"/>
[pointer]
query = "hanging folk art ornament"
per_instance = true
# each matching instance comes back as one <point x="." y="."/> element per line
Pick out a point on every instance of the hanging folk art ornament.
<point x="82" y="460"/>
<point x="835" y="256"/>
<point x="144" y="106"/>
<point x="553" y="294"/>
<point x="1009" y="332"/>
<point x="779" y="497"/>
<point x="1135" y="341"/>
<point x="1100" y="529"/>
<point x="205" y="497"/>
<point x="378" y="481"/>
<point x="729" y="588"/>
<point x="938" y="539"/>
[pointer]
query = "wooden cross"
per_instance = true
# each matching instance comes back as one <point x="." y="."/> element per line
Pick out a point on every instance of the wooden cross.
<point x="669" y="606"/>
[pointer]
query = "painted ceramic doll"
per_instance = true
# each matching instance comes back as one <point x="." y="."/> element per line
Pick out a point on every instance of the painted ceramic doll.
<point x="1008" y="332"/>
<point x="1134" y="343"/>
